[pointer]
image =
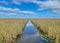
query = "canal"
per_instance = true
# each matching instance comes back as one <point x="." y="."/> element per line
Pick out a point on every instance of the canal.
<point x="31" y="35"/>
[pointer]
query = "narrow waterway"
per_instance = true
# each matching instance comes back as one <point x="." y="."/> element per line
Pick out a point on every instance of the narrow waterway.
<point x="31" y="35"/>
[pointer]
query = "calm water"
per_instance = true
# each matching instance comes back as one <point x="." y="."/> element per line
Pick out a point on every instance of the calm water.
<point x="31" y="35"/>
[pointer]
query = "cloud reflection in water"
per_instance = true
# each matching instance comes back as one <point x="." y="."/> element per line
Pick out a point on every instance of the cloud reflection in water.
<point x="31" y="35"/>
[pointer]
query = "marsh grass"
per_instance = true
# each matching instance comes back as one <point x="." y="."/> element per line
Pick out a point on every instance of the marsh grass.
<point x="50" y="28"/>
<point x="10" y="29"/>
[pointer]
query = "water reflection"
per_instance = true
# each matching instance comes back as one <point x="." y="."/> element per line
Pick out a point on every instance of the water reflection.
<point x="31" y="35"/>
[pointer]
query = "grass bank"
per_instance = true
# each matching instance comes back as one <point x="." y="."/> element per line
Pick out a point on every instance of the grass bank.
<point x="49" y="28"/>
<point x="11" y="29"/>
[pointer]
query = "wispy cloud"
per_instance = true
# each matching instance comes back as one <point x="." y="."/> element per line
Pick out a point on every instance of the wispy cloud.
<point x="28" y="12"/>
<point x="7" y="14"/>
<point x="10" y="9"/>
<point x="30" y="36"/>
<point x="29" y="24"/>
<point x="51" y="5"/>
<point x="17" y="2"/>
<point x="4" y="2"/>
<point x="14" y="11"/>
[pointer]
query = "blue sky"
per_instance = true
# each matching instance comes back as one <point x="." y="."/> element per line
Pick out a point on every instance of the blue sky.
<point x="29" y="9"/>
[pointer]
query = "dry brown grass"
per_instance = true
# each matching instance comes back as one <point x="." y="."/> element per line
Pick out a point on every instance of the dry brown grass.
<point x="51" y="27"/>
<point x="10" y="29"/>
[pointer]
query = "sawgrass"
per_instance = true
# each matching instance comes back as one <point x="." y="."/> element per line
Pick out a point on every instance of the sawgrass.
<point x="50" y="28"/>
<point x="10" y="29"/>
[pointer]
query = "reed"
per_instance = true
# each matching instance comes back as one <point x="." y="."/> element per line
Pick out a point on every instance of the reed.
<point x="10" y="29"/>
<point x="50" y="28"/>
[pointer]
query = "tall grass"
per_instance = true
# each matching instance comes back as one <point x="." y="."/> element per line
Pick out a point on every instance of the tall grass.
<point x="50" y="27"/>
<point x="10" y="29"/>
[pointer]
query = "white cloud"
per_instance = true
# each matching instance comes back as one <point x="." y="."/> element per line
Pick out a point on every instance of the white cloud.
<point x="30" y="36"/>
<point x="29" y="24"/>
<point x="14" y="11"/>
<point x="50" y="4"/>
<point x="53" y="6"/>
<point x="17" y="2"/>
<point x="10" y="9"/>
<point x="4" y="2"/>
<point x="29" y="0"/>
<point x="7" y="14"/>
<point x="1" y="13"/>
<point x="28" y="12"/>
<point x="57" y="11"/>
